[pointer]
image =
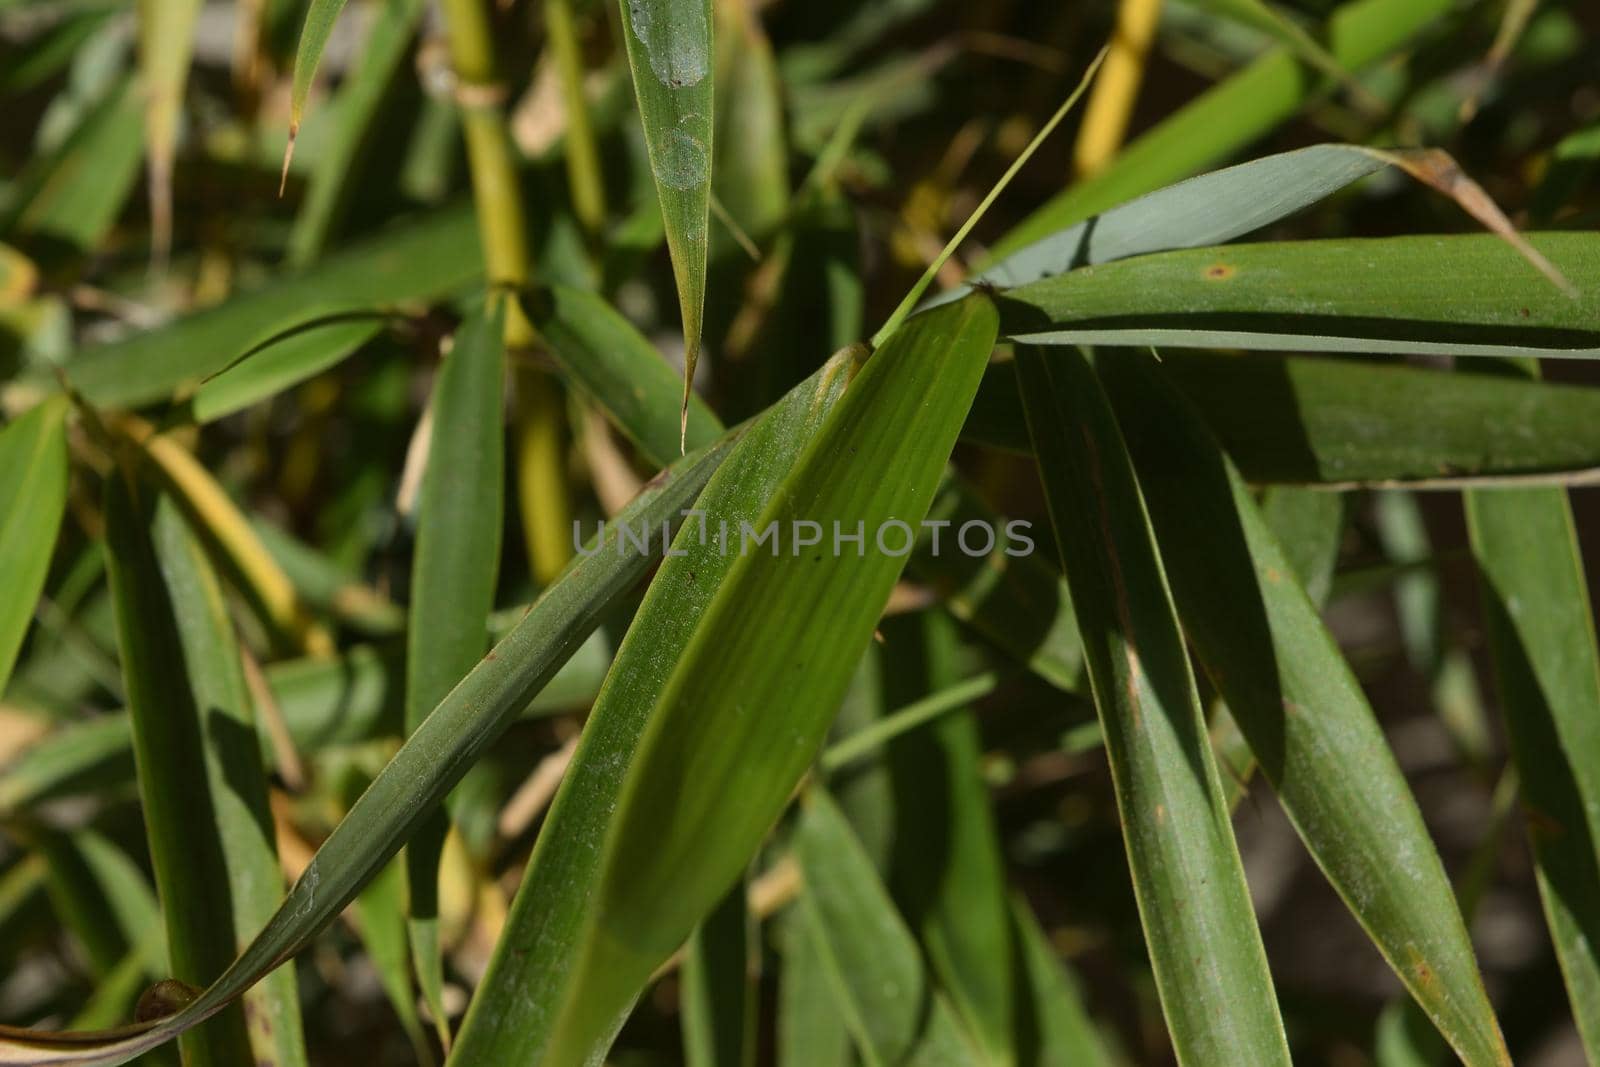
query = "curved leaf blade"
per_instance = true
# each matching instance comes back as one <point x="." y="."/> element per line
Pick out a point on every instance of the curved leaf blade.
<point x="670" y="52"/>
<point x="33" y="497"/>
<point x="1210" y="967"/>
<point x="1299" y="706"/>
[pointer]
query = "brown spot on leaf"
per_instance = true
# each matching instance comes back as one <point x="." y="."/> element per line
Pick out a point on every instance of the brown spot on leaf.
<point x="1220" y="272"/>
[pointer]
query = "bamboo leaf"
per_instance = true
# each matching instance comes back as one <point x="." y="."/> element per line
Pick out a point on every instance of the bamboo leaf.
<point x="1057" y="1030"/>
<point x="916" y="389"/>
<point x="33" y="496"/>
<point x="873" y="962"/>
<point x="513" y="1012"/>
<point x="1299" y="706"/>
<point x="946" y="871"/>
<point x="281" y="363"/>
<point x="1008" y="595"/>
<point x="435" y="757"/>
<point x="74" y="194"/>
<point x="417" y="262"/>
<point x="453" y="578"/>
<point x="1541" y="635"/>
<point x="1205" y="948"/>
<point x="1211" y="209"/>
<point x="669" y="46"/>
<point x="1462" y="296"/>
<point x="1335" y="423"/>
<point x="719" y="1006"/>
<point x="811" y="1032"/>
<point x="611" y="361"/>
<point x="170" y="748"/>
<point x="1232" y="114"/>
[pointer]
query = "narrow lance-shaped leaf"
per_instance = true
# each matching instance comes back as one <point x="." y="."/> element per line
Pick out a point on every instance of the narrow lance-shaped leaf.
<point x="868" y="955"/>
<point x="1463" y="296"/>
<point x="170" y="748"/>
<point x="513" y="1012"/>
<point x="453" y="575"/>
<point x="235" y="779"/>
<point x="1541" y="635"/>
<point x="1205" y="949"/>
<point x="1233" y="113"/>
<point x="1299" y="706"/>
<point x="670" y="50"/>
<point x="33" y="496"/>
<point x="433" y="760"/>
<point x="1056" y="1030"/>
<point x="320" y="17"/>
<point x="946" y="870"/>
<point x="1333" y="422"/>
<point x="719" y="994"/>
<point x="417" y="262"/>
<point x="709" y="776"/>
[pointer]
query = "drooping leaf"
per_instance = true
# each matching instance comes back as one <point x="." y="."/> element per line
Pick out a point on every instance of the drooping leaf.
<point x="1204" y="946"/>
<point x="453" y="576"/>
<point x="1299" y="706"/>
<point x="170" y="745"/>
<point x="880" y="985"/>
<point x="1541" y="636"/>
<point x="435" y="757"/>
<point x="1233" y="113"/>
<point x="946" y="871"/>
<point x="1315" y="421"/>
<point x="33" y="496"/>
<point x="513" y="1012"/>
<point x="901" y="413"/>
<point x="1460" y="296"/>
<point x="670" y="50"/>
<point x="416" y="262"/>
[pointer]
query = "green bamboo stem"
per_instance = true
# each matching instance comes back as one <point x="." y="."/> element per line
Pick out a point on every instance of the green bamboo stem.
<point x="588" y="189"/>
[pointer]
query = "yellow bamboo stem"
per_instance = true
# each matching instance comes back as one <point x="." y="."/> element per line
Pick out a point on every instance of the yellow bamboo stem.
<point x="1105" y="118"/>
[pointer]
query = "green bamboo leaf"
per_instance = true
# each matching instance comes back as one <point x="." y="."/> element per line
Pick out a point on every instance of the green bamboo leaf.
<point x="418" y="262"/>
<point x="380" y="912"/>
<point x="436" y="756"/>
<point x="513" y="1012"/>
<point x="613" y="363"/>
<point x="670" y="51"/>
<point x="917" y="382"/>
<point x="1205" y="948"/>
<point x="314" y="34"/>
<point x="166" y="39"/>
<point x="354" y="697"/>
<point x="453" y="577"/>
<point x="672" y="823"/>
<point x="33" y="496"/>
<point x="73" y="194"/>
<point x="154" y="606"/>
<point x="946" y="872"/>
<point x="285" y="361"/>
<point x="1329" y="422"/>
<point x="871" y="959"/>
<point x="337" y="173"/>
<point x="1541" y="636"/>
<point x="1211" y="209"/>
<point x="811" y="1032"/>
<point x="719" y="1008"/>
<point x="1299" y="706"/>
<point x="1462" y="296"/>
<point x="1233" y="114"/>
<point x="1056" y="1028"/>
